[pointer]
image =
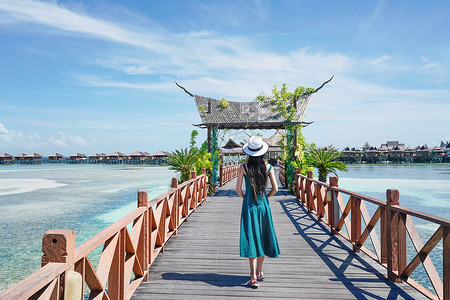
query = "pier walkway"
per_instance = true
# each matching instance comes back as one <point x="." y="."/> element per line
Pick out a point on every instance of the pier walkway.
<point x="203" y="261"/>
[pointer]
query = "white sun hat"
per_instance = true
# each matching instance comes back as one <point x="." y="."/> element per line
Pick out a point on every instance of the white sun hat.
<point x="255" y="146"/>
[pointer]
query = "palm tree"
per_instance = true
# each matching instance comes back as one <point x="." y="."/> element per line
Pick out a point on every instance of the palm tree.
<point x="324" y="161"/>
<point x="183" y="161"/>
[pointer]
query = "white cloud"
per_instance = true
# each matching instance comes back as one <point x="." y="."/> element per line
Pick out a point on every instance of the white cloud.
<point x="10" y="137"/>
<point x="64" y="140"/>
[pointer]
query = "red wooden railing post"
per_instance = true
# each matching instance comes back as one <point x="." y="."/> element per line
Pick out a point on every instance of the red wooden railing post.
<point x="333" y="206"/>
<point x="58" y="246"/>
<point x="384" y="237"/>
<point x="221" y="176"/>
<point x="355" y="222"/>
<point x="309" y="198"/>
<point x="446" y="262"/>
<point x="297" y="183"/>
<point x="204" y="184"/>
<point x="143" y="246"/>
<point x="396" y="243"/>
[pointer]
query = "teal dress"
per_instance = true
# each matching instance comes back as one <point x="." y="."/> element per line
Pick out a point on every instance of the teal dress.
<point x="258" y="236"/>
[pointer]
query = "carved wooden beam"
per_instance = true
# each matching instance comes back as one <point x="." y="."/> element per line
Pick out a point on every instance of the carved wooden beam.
<point x="323" y="84"/>
<point x="190" y="94"/>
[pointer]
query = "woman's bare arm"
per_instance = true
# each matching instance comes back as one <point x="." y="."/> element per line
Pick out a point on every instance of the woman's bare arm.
<point x="273" y="182"/>
<point x="239" y="182"/>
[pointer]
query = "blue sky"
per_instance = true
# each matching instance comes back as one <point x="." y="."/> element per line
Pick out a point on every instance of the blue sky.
<point x="98" y="76"/>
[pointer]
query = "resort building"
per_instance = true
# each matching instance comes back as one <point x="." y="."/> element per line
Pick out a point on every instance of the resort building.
<point x="33" y="157"/>
<point x="395" y="152"/>
<point x="6" y="158"/>
<point x="116" y="156"/>
<point x="20" y="157"/>
<point x="55" y="157"/>
<point x="136" y="155"/>
<point x="159" y="155"/>
<point x="77" y="156"/>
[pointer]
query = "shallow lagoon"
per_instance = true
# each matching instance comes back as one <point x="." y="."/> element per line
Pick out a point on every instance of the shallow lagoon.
<point x="84" y="198"/>
<point x="88" y="198"/>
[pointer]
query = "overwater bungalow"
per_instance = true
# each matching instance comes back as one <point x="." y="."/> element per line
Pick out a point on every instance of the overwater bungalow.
<point x="159" y="155"/>
<point x="97" y="156"/>
<point x="20" y="157"/>
<point x="35" y="157"/>
<point x="55" y="156"/>
<point x="136" y="155"/>
<point x="77" y="156"/>
<point x="5" y="157"/>
<point x="115" y="156"/>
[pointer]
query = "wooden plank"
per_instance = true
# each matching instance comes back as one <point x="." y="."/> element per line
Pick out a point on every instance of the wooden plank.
<point x="202" y="261"/>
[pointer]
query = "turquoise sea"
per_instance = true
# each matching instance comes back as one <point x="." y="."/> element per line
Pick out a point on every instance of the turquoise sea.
<point x="88" y="198"/>
<point x="84" y="198"/>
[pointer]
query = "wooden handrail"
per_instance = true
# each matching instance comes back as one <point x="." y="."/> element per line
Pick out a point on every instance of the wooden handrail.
<point x="228" y="172"/>
<point x="326" y="201"/>
<point x="124" y="253"/>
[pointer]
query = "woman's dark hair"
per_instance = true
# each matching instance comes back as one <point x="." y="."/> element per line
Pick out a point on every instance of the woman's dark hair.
<point x="256" y="171"/>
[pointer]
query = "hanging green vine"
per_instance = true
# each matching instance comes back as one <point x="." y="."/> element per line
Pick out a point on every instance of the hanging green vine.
<point x="283" y="102"/>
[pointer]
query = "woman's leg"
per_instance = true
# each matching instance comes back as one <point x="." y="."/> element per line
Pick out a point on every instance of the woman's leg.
<point x="259" y="263"/>
<point x="252" y="262"/>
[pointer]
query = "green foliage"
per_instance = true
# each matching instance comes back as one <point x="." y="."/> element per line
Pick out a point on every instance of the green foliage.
<point x="222" y="104"/>
<point x="203" y="159"/>
<point x="283" y="102"/>
<point x="194" y="134"/>
<point x="324" y="161"/>
<point x="183" y="161"/>
<point x="202" y="109"/>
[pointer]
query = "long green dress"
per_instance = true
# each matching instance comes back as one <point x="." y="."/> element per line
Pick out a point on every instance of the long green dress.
<point x="257" y="236"/>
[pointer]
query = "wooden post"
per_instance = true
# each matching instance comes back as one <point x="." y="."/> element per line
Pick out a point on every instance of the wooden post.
<point x="401" y="217"/>
<point x="392" y="198"/>
<point x="297" y="183"/>
<point x="384" y="237"/>
<point x="221" y="175"/>
<point x="58" y="246"/>
<point x="143" y="246"/>
<point x="193" y="174"/>
<point x="209" y="139"/>
<point x="333" y="206"/>
<point x="309" y="202"/>
<point x="356" y="222"/>
<point x="446" y="262"/>
<point x="204" y="184"/>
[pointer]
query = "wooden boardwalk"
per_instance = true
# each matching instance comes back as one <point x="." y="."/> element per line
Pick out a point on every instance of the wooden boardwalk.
<point x="203" y="261"/>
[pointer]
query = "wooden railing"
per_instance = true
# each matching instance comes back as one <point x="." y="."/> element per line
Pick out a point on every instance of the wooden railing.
<point x="327" y="202"/>
<point x="126" y="255"/>
<point x="227" y="173"/>
<point x="282" y="174"/>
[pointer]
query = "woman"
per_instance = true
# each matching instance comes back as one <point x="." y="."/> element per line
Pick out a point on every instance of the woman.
<point x="257" y="238"/>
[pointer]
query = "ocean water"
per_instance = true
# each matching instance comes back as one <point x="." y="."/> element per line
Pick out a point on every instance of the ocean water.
<point x="88" y="198"/>
<point x="425" y="188"/>
<point x="84" y="198"/>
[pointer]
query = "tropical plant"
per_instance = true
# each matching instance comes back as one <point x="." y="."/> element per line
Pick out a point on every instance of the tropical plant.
<point x="324" y="160"/>
<point x="283" y="101"/>
<point x="183" y="161"/>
